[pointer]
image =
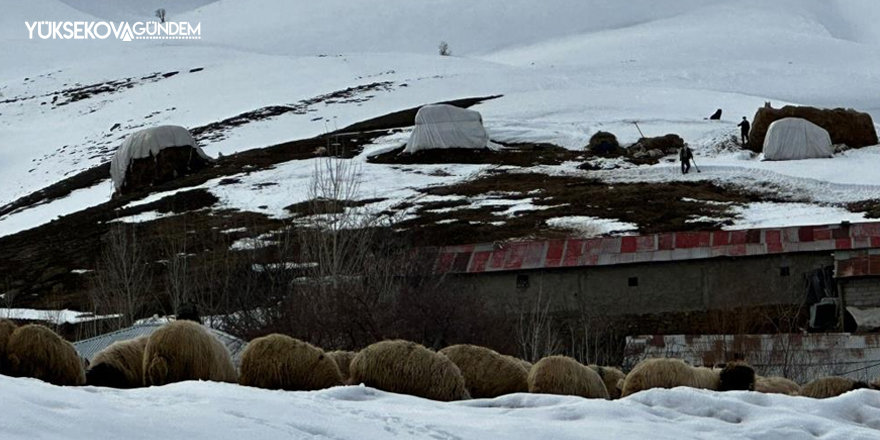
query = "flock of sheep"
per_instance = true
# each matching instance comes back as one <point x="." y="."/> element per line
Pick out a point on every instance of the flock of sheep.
<point x="184" y="350"/>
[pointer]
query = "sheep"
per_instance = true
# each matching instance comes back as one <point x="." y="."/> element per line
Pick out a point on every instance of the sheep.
<point x="525" y="364"/>
<point x="6" y="329"/>
<point x="184" y="350"/>
<point x="487" y="373"/>
<point x="777" y="385"/>
<point x="671" y="373"/>
<point x="408" y="368"/>
<point x="343" y="361"/>
<point x="35" y="351"/>
<point x="121" y="365"/>
<point x="279" y="362"/>
<point x="833" y="386"/>
<point x="565" y="376"/>
<point x="611" y="377"/>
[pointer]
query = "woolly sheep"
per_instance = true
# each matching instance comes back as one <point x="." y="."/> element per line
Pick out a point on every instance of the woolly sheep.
<point x="833" y="386"/>
<point x="408" y="368"/>
<point x="279" y="362"/>
<point x="612" y="378"/>
<point x="671" y="373"/>
<point x="121" y="365"/>
<point x="487" y="373"/>
<point x="184" y="350"/>
<point x="566" y="376"/>
<point x="343" y="360"/>
<point x="35" y="351"/>
<point x="777" y="385"/>
<point x="6" y="329"/>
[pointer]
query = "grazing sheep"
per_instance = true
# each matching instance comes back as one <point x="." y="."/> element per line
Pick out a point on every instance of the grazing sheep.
<point x="736" y="376"/>
<point x="777" y="385"/>
<point x="671" y="373"/>
<point x="35" y="351"/>
<point x="566" y="376"/>
<point x="612" y="378"/>
<point x="408" y="368"/>
<point x="184" y="350"/>
<point x="526" y="364"/>
<point x="279" y="362"/>
<point x="121" y="365"/>
<point x="834" y="386"/>
<point x="6" y="329"/>
<point x="343" y="361"/>
<point x="487" y="373"/>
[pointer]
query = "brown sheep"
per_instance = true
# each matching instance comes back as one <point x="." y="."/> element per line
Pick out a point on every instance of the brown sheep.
<point x="525" y="364"/>
<point x="408" y="368"/>
<point x="121" y="365"/>
<point x="343" y="360"/>
<point x="35" y="351"/>
<point x="671" y="373"/>
<point x="612" y="378"/>
<point x="184" y="350"/>
<point x="6" y="329"/>
<point x="565" y="376"/>
<point x="777" y="385"/>
<point x="279" y="362"/>
<point x="834" y="386"/>
<point x="487" y="373"/>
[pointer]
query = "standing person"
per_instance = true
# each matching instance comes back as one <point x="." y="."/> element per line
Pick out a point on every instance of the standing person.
<point x="744" y="130"/>
<point x="685" y="155"/>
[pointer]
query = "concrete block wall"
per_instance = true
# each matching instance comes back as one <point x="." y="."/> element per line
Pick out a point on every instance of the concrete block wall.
<point x="861" y="292"/>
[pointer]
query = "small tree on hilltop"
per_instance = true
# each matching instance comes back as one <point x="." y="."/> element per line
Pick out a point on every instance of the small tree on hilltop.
<point x="445" y="51"/>
<point x="160" y="14"/>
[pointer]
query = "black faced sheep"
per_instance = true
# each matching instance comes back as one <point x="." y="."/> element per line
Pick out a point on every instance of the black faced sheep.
<point x="671" y="373"/>
<point x="565" y="376"/>
<point x="487" y="373"/>
<point x="35" y="351"/>
<point x="121" y="365"/>
<point x="184" y="350"/>
<point x="408" y="368"/>
<point x="833" y="386"/>
<point x="279" y="362"/>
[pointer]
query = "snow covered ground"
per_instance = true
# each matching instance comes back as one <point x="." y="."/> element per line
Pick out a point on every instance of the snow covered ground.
<point x="566" y="68"/>
<point x="212" y="411"/>
<point x="56" y="317"/>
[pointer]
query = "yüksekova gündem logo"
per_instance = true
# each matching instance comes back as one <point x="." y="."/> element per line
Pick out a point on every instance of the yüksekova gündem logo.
<point x="102" y="30"/>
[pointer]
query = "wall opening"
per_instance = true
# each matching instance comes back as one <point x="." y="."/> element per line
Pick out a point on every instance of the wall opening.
<point x="522" y="281"/>
<point x="633" y="281"/>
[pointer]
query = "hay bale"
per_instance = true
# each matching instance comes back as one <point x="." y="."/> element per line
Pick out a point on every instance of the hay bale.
<point x="611" y="377"/>
<point x="604" y="143"/>
<point x="184" y="350"/>
<point x="777" y="385"/>
<point x="846" y="126"/>
<point x="279" y="362"/>
<point x="487" y="373"/>
<point x="6" y="329"/>
<point x="408" y="368"/>
<point x="343" y="361"/>
<point x="667" y="144"/>
<point x="565" y="376"/>
<point x="833" y="386"/>
<point x="35" y="351"/>
<point x="121" y="365"/>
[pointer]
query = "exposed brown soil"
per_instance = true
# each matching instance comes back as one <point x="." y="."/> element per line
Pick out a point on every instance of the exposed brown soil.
<point x="520" y="155"/>
<point x="653" y="207"/>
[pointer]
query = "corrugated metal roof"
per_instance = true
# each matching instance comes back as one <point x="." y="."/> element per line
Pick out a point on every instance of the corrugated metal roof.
<point x="88" y="348"/>
<point x="604" y="251"/>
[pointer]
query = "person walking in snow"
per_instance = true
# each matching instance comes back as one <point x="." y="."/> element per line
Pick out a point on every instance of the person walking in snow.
<point x="685" y="155"/>
<point x="744" y="128"/>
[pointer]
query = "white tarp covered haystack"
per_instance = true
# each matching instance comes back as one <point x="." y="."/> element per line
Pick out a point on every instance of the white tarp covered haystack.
<point x="796" y="138"/>
<point x="148" y="143"/>
<point x="445" y="126"/>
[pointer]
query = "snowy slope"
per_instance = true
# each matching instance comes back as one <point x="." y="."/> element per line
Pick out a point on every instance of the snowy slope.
<point x="566" y="69"/>
<point x="211" y="411"/>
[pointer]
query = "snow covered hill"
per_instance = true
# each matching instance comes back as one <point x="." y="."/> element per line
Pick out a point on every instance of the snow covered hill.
<point x="212" y="411"/>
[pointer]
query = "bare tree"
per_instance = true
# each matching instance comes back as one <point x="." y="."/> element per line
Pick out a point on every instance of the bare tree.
<point x="537" y="337"/>
<point x="122" y="279"/>
<point x="160" y="14"/>
<point x="444" y="49"/>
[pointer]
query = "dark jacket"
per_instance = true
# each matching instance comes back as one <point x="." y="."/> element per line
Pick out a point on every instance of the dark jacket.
<point x="685" y="154"/>
<point x="745" y="126"/>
